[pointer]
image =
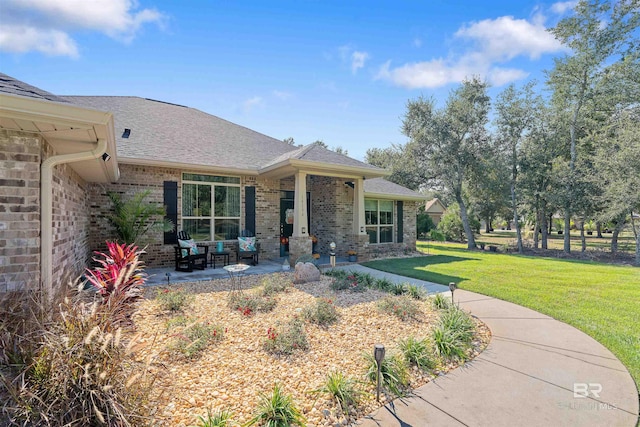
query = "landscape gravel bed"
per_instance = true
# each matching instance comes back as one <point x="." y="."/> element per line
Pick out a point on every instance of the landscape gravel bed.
<point x="231" y="374"/>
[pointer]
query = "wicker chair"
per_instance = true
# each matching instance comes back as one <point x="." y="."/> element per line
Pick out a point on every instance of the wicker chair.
<point x="254" y="256"/>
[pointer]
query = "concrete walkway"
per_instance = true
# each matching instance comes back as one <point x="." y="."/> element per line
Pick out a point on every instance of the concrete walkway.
<point x="534" y="372"/>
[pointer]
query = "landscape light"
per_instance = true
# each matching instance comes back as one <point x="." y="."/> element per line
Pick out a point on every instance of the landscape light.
<point x="378" y="354"/>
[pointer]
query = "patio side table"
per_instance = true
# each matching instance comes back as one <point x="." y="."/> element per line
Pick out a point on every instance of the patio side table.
<point x="215" y="254"/>
<point x="236" y="271"/>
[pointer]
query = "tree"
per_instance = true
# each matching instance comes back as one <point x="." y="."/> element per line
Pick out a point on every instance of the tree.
<point x="488" y="188"/>
<point x="618" y="161"/>
<point x="133" y="218"/>
<point x="599" y="37"/>
<point x="449" y="141"/>
<point x="515" y="115"/>
<point x="289" y="140"/>
<point x="399" y="160"/>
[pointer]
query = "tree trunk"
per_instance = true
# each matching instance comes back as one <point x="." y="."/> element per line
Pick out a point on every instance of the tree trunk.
<point x="582" y="237"/>
<point x="550" y="223"/>
<point x="536" y="227"/>
<point x="471" y="241"/>
<point x="487" y="228"/>
<point x="636" y="233"/>
<point x="543" y="226"/>
<point x="599" y="229"/>
<point x="614" y="236"/>
<point x="516" y="220"/>
<point x="567" y="230"/>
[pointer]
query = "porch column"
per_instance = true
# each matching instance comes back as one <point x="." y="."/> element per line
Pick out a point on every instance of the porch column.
<point x="300" y="206"/>
<point x="358" y="207"/>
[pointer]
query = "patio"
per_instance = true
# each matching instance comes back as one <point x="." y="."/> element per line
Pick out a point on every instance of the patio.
<point x="168" y="275"/>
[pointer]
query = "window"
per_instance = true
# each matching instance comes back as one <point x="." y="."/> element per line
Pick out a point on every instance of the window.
<point x="211" y="206"/>
<point x="378" y="216"/>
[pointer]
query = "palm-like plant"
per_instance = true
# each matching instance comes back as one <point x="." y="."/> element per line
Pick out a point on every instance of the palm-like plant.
<point x="135" y="217"/>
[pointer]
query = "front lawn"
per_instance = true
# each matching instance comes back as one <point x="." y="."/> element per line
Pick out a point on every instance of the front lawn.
<point x="600" y="299"/>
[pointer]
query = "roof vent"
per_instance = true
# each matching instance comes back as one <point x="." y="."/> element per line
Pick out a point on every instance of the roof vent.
<point x="126" y="133"/>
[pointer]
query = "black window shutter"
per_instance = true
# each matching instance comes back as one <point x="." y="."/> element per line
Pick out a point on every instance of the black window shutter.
<point x="171" y="207"/>
<point x="400" y="222"/>
<point x="250" y="209"/>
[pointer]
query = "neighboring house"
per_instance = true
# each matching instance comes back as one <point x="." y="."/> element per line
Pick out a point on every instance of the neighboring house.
<point x="435" y="209"/>
<point x="61" y="155"/>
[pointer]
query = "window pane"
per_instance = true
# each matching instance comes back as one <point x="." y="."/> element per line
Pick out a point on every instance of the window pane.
<point x="189" y="199"/>
<point x="373" y="234"/>
<point x="198" y="229"/>
<point x="204" y="201"/>
<point x="370" y="205"/>
<point x="210" y="178"/>
<point x="386" y="217"/>
<point x="196" y="200"/>
<point x="227" y="201"/>
<point x="386" y="234"/>
<point x="386" y="205"/>
<point x="227" y="229"/>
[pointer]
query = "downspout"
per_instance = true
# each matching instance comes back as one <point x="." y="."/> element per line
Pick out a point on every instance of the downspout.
<point x="46" y="208"/>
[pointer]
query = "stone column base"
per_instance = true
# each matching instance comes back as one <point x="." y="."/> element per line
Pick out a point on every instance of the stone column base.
<point x="299" y="246"/>
<point x="360" y="244"/>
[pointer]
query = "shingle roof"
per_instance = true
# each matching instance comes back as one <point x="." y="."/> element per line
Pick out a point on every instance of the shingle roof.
<point x="165" y="132"/>
<point x="317" y="153"/>
<point x="382" y="186"/>
<point x="14" y="86"/>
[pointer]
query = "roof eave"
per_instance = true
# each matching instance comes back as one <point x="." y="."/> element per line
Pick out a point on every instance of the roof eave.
<point x="395" y="196"/>
<point x="188" y="166"/>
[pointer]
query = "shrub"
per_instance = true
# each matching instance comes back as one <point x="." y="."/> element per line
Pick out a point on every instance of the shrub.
<point x="173" y="299"/>
<point x="365" y="279"/>
<point x="217" y="419"/>
<point x="417" y="352"/>
<point x="342" y="389"/>
<point x="437" y="236"/>
<point x="397" y="289"/>
<point x="120" y="272"/>
<point x="453" y="334"/>
<point x="336" y="273"/>
<point x="323" y="312"/>
<point x="440" y="302"/>
<point x="288" y="338"/>
<point x="459" y="322"/>
<point x="277" y="410"/>
<point x="274" y="284"/>
<point x="76" y="367"/>
<point x="196" y="337"/>
<point x="414" y="291"/>
<point x="394" y="374"/>
<point x="177" y="321"/>
<point x="349" y="282"/>
<point x="402" y="307"/>
<point x="248" y="304"/>
<point x="384" y="284"/>
<point x="133" y="218"/>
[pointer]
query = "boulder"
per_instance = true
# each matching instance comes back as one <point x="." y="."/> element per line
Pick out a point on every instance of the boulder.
<point x="306" y="272"/>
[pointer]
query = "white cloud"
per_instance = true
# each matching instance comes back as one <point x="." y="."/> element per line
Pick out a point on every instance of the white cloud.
<point x="21" y="39"/>
<point x="252" y="103"/>
<point x="48" y="24"/>
<point x="505" y="37"/>
<point x="357" y="60"/>
<point x="563" y="6"/>
<point x="490" y="42"/>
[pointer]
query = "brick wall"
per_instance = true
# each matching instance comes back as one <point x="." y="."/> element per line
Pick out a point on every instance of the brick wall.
<point x="71" y="250"/>
<point x="331" y="213"/>
<point x="133" y="179"/>
<point x="19" y="210"/>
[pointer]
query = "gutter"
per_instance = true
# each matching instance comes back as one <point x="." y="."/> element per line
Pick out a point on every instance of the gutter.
<point x="46" y="207"/>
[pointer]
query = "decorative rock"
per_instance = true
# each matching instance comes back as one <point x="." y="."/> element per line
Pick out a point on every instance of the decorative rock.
<point x="306" y="272"/>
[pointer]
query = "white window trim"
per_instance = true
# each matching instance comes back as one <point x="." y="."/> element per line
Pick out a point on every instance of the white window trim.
<point x="211" y="218"/>
<point x="378" y="226"/>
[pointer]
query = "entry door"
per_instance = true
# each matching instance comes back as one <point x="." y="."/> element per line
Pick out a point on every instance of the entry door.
<point x="286" y="218"/>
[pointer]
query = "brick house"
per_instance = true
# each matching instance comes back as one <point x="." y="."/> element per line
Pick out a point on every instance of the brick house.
<point x="61" y="155"/>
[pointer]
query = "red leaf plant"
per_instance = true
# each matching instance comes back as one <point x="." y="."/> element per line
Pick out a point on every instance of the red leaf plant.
<point x="120" y="273"/>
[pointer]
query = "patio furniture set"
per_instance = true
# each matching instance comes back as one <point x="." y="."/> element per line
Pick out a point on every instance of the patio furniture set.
<point x="190" y="255"/>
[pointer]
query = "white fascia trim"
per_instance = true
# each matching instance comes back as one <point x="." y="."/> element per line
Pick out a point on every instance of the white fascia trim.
<point x="394" y="197"/>
<point x="187" y="166"/>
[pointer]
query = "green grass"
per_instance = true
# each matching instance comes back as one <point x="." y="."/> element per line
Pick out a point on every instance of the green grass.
<point x="600" y="299"/>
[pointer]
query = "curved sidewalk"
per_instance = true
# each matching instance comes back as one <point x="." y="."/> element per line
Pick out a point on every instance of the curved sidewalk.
<point x="536" y="371"/>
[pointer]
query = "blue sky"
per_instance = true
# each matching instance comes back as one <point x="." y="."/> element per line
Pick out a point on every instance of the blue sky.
<point x="339" y="71"/>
